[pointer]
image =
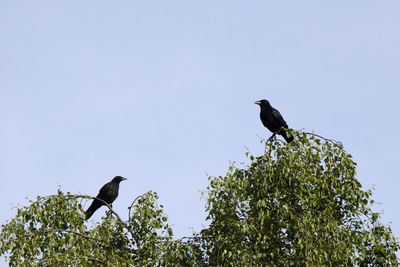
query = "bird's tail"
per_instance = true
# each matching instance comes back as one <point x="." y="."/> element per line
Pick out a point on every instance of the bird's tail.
<point x="287" y="135"/>
<point x="89" y="213"/>
<point x="93" y="207"/>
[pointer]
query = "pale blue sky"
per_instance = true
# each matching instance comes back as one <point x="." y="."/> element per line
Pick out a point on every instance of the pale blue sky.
<point x="162" y="92"/>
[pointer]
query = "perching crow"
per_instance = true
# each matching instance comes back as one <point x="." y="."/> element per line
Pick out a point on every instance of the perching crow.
<point x="108" y="193"/>
<point x="273" y="120"/>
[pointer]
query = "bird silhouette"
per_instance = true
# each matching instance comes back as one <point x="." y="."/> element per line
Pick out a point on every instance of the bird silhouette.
<point x="273" y="120"/>
<point x="108" y="193"/>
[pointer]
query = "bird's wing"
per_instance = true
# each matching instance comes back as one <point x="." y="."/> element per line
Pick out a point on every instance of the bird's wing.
<point x="279" y="118"/>
<point x="109" y="192"/>
<point x="105" y="189"/>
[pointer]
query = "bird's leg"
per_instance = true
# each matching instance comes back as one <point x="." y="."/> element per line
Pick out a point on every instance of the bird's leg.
<point x="109" y="213"/>
<point x="272" y="138"/>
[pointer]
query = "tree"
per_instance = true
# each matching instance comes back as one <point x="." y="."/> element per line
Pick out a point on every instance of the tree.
<point x="298" y="204"/>
<point x="52" y="230"/>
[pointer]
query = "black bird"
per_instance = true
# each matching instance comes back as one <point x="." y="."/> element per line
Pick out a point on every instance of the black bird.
<point x="273" y="120"/>
<point x="108" y="193"/>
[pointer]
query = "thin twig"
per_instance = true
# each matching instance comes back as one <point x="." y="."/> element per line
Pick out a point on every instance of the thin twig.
<point x="130" y="207"/>
<point x="106" y="204"/>
<point x="119" y="218"/>
<point x="326" y="139"/>
<point x="63" y="230"/>
<point x="90" y="197"/>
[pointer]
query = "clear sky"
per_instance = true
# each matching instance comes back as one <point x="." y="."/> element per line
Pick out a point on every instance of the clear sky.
<point x="162" y="92"/>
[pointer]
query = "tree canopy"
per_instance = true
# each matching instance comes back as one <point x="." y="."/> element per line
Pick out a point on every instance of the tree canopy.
<point x="298" y="204"/>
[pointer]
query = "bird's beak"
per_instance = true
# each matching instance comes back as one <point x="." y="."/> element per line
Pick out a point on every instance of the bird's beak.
<point x="123" y="179"/>
<point x="257" y="102"/>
